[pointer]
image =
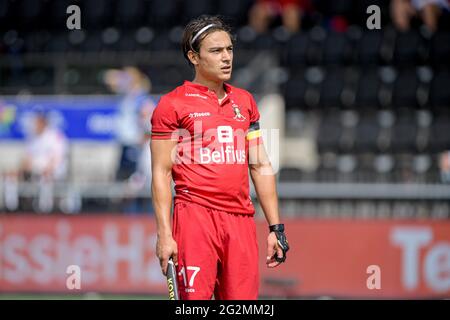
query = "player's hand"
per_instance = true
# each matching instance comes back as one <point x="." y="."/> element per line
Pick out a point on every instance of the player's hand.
<point x="272" y="249"/>
<point x="277" y="245"/>
<point x="166" y="247"/>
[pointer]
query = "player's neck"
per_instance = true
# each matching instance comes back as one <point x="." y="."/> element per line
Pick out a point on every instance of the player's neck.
<point x="217" y="87"/>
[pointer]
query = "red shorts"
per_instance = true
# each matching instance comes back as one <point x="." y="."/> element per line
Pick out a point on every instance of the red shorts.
<point x="217" y="253"/>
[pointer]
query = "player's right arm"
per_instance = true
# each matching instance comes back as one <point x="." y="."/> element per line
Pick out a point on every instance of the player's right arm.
<point x="166" y="246"/>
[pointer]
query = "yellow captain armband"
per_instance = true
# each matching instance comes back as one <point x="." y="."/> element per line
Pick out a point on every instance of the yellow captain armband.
<point x="253" y="135"/>
<point x="253" y="131"/>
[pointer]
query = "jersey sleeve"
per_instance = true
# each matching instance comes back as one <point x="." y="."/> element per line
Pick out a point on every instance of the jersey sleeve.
<point x="254" y="132"/>
<point x="164" y="120"/>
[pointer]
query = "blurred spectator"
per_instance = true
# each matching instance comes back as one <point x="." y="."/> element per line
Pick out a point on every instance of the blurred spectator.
<point x="45" y="161"/>
<point x="133" y="126"/>
<point x="141" y="177"/>
<point x="143" y="170"/>
<point x="134" y="86"/>
<point x="444" y="166"/>
<point x="403" y="11"/>
<point x="46" y="152"/>
<point x="264" y="11"/>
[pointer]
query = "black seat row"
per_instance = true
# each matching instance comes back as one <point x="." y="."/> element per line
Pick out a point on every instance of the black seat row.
<point x="361" y="131"/>
<point x="372" y="87"/>
<point x="123" y="14"/>
<point x="359" y="46"/>
<point x="369" y="168"/>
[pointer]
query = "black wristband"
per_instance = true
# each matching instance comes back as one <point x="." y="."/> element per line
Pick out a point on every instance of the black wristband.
<point x="276" y="228"/>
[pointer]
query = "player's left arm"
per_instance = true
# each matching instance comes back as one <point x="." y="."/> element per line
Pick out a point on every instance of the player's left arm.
<point x="263" y="177"/>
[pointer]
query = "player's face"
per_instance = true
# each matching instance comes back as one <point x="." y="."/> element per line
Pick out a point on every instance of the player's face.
<point x="216" y="57"/>
<point x="40" y="124"/>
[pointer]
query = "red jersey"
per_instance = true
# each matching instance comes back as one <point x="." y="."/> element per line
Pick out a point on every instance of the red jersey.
<point x="211" y="164"/>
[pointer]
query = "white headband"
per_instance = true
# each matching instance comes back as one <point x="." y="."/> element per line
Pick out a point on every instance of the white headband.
<point x="201" y="31"/>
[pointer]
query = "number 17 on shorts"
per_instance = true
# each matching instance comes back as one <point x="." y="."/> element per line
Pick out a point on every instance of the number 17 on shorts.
<point x="189" y="273"/>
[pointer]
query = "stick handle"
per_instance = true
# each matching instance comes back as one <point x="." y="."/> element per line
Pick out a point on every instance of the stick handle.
<point x="172" y="281"/>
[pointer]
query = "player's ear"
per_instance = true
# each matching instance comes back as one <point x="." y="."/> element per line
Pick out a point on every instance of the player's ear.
<point x="193" y="57"/>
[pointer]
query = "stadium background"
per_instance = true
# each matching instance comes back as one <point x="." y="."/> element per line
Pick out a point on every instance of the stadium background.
<point x="363" y="119"/>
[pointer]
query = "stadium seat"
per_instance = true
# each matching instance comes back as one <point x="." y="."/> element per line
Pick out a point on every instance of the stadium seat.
<point x="40" y="77"/>
<point x="294" y="122"/>
<point x="404" y="133"/>
<point x="439" y="140"/>
<point x="129" y="14"/>
<point x="58" y="43"/>
<point x="405" y="89"/>
<point x="315" y="77"/>
<point x="365" y="173"/>
<point x="30" y="13"/>
<point x="236" y="11"/>
<point x="336" y="49"/>
<point x="110" y="39"/>
<point x="13" y="42"/>
<point x="290" y="174"/>
<point x="329" y="132"/>
<point x="194" y="8"/>
<point x="143" y="37"/>
<point x="297" y="50"/>
<point x="369" y="48"/>
<point x="367" y="93"/>
<point x="96" y="14"/>
<point x="327" y="171"/>
<point x="264" y="41"/>
<point x="404" y="168"/>
<point x="409" y="49"/>
<point x="303" y="49"/>
<point x="317" y="37"/>
<point x="249" y="40"/>
<point x="367" y="132"/>
<point x="440" y="48"/>
<point x="93" y="42"/>
<point x="83" y="80"/>
<point x="162" y="42"/>
<point x="347" y="167"/>
<point x="169" y="76"/>
<point x="439" y="92"/>
<point x="421" y="165"/>
<point x="434" y="174"/>
<point x="335" y="8"/>
<point x="6" y="15"/>
<point x="425" y="75"/>
<point x="424" y="121"/>
<point x="332" y="88"/>
<point x="384" y="166"/>
<point x="295" y="90"/>
<point x="162" y="14"/>
<point x="76" y="40"/>
<point x="37" y="41"/>
<point x="127" y="42"/>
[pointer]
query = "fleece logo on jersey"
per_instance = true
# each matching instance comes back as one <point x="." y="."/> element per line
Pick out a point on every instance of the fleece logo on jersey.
<point x="199" y="114"/>
<point x="237" y="113"/>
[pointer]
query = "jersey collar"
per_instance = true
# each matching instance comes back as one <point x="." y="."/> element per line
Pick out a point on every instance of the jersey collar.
<point x="203" y="88"/>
